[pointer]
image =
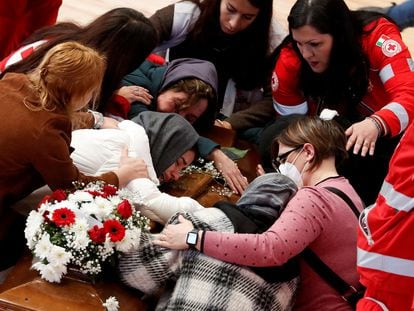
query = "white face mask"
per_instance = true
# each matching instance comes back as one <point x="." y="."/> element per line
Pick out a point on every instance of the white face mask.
<point x="291" y="171"/>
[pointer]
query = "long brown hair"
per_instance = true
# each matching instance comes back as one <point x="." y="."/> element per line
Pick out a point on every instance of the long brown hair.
<point x="123" y="35"/>
<point x="252" y="46"/>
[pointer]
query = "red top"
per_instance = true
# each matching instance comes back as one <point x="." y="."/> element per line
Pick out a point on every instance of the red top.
<point x="391" y="79"/>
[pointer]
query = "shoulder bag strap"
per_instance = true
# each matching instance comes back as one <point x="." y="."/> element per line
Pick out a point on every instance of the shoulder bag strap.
<point x="333" y="279"/>
<point x="346" y="198"/>
<point x="326" y="273"/>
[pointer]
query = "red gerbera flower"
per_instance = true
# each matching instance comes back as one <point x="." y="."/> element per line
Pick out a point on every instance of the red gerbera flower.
<point x="109" y="190"/>
<point x="115" y="230"/>
<point x="63" y="217"/>
<point x="124" y="209"/>
<point x="46" y="198"/>
<point x="97" y="234"/>
<point x="95" y="193"/>
<point x="59" y="195"/>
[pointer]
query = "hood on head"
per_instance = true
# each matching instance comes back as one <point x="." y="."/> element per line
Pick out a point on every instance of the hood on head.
<point x="183" y="68"/>
<point x="170" y="136"/>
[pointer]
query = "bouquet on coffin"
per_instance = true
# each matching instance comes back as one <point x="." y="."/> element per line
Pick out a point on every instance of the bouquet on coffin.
<point x="83" y="229"/>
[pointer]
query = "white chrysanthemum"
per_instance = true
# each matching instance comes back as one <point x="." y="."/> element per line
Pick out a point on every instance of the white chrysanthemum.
<point x="90" y="208"/>
<point x="80" y="241"/>
<point x="79" y="227"/>
<point x="130" y="241"/>
<point x="111" y="304"/>
<point x="42" y="208"/>
<point x="126" y="243"/>
<point x="43" y="246"/>
<point x="115" y="200"/>
<point x="58" y="256"/>
<point x="62" y="204"/>
<point x="104" y="208"/>
<point x="33" y="223"/>
<point x="80" y="196"/>
<point x="49" y="272"/>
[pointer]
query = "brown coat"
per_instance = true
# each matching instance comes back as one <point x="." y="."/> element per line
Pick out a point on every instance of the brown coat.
<point x="34" y="145"/>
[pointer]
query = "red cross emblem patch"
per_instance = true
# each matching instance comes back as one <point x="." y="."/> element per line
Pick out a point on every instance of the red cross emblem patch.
<point x="390" y="48"/>
<point x="275" y="82"/>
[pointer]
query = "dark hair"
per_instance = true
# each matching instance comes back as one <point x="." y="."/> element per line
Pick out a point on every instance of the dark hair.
<point x="123" y="35"/>
<point x="346" y="79"/>
<point x="249" y="48"/>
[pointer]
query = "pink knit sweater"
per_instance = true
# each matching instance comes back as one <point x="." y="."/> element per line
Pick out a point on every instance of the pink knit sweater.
<point x="315" y="217"/>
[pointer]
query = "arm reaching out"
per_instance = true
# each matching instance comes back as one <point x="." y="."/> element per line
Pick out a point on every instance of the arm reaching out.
<point x="236" y="181"/>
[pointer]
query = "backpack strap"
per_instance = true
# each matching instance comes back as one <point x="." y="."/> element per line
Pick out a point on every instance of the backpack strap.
<point x="326" y="273"/>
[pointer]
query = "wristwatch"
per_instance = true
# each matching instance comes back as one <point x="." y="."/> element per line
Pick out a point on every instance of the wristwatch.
<point x="192" y="238"/>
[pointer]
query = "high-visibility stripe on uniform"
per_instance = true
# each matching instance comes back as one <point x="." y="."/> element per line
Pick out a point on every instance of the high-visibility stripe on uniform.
<point x="400" y="112"/>
<point x="410" y="62"/>
<point x="379" y="303"/>
<point x="386" y="73"/>
<point x="20" y="54"/>
<point x="284" y="110"/>
<point x="390" y="264"/>
<point x="395" y="199"/>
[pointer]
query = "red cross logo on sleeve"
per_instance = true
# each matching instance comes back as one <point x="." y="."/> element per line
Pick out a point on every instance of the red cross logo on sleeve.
<point x="391" y="47"/>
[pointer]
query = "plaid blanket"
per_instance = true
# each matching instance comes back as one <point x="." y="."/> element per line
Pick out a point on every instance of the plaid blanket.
<point x="202" y="283"/>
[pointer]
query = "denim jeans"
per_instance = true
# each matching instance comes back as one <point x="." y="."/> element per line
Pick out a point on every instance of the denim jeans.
<point x="403" y="14"/>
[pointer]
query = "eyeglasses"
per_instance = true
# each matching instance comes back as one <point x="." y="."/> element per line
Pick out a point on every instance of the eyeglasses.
<point x="276" y="162"/>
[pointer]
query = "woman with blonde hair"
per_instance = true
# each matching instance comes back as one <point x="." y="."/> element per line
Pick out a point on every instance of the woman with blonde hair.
<point x="36" y="134"/>
<point x="39" y="105"/>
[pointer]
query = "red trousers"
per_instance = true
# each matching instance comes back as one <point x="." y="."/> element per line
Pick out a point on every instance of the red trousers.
<point x="20" y="18"/>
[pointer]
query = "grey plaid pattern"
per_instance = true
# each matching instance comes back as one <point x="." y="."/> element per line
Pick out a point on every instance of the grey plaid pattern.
<point x="202" y="283"/>
<point x="216" y="285"/>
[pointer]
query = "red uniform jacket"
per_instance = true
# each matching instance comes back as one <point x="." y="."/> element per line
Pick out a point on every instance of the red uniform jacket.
<point x="391" y="79"/>
<point x="386" y="233"/>
<point x="20" y="18"/>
